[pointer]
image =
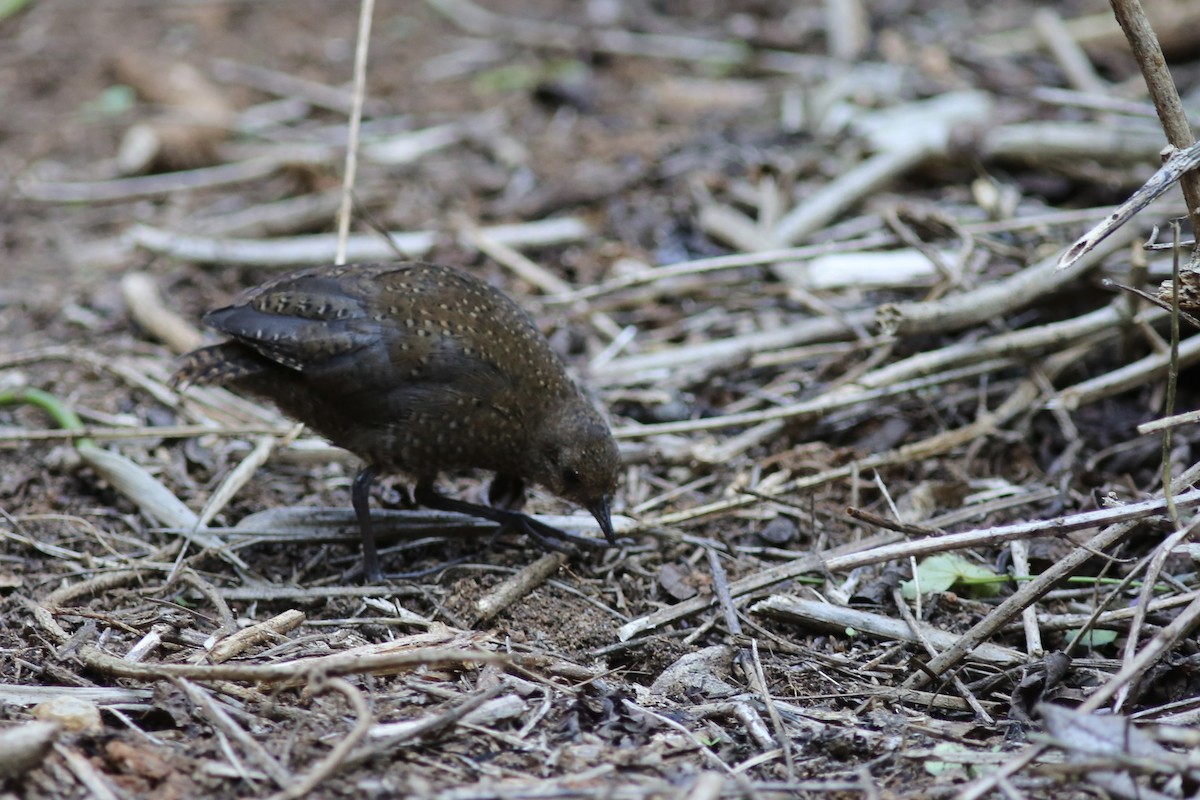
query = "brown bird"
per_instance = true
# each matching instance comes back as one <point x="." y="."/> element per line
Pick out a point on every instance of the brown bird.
<point x="419" y="369"/>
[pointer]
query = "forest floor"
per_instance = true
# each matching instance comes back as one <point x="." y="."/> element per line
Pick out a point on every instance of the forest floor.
<point x="888" y="525"/>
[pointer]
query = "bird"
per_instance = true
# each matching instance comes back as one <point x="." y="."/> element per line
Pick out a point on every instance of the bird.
<point x="418" y="369"/>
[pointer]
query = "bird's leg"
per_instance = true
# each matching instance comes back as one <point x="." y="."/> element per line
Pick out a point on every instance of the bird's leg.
<point x="506" y="491"/>
<point x="360" y="496"/>
<point x="396" y="495"/>
<point x="547" y="535"/>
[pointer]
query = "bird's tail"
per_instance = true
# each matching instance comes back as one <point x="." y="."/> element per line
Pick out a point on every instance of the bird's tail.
<point x="217" y="365"/>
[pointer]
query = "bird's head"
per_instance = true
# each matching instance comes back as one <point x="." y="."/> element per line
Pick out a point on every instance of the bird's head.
<point x="575" y="456"/>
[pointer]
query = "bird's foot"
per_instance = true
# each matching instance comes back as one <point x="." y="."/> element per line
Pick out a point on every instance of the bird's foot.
<point x="550" y="537"/>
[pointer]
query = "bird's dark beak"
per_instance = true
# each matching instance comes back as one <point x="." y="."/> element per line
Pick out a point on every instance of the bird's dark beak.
<point x="601" y="511"/>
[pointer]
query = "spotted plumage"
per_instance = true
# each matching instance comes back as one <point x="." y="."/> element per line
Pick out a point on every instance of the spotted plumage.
<point x="417" y="368"/>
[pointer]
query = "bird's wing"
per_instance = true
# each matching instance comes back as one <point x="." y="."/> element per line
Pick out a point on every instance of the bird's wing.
<point x="306" y="321"/>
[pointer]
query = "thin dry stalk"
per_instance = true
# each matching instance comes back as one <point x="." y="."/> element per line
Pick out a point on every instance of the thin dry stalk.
<point x="366" y="13"/>
<point x="1146" y="49"/>
<point x="340" y="755"/>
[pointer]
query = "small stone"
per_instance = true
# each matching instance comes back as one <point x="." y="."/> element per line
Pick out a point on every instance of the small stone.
<point x="71" y="713"/>
<point x="778" y="531"/>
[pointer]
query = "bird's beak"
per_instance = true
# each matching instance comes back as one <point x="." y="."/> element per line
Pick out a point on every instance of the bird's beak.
<point x="601" y="511"/>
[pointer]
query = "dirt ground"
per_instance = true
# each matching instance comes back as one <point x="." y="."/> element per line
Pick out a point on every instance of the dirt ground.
<point x="784" y="417"/>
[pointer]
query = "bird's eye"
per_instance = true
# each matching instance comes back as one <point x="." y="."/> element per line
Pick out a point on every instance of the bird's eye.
<point x="571" y="477"/>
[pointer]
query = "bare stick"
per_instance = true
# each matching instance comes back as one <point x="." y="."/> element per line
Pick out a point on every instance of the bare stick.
<point x="220" y="719"/>
<point x="751" y="583"/>
<point x="1125" y="518"/>
<point x="1146" y="49"/>
<point x="339" y="756"/>
<point x="103" y="433"/>
<point x="1070" y="56"/>
<point x="829" y="617"/>
<point x="321" y="247"/>
<point x="283" y="84"/>
<point x="919" y="635"/>
<point x="1154" y="649"/>
<point x="171" y="182"/>
<point x="519" y="585"/>
<point x="1154" y="426"/>
<point x="366" y="11"/>
<point x="267" y="630"/>
<point x="1030" y="592"/>
<point x="147" y="309"/>
<point x="1029" y="617"/>
<point x="1176" y="167"/>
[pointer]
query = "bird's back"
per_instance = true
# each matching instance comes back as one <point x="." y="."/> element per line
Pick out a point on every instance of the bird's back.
<point x="412" y="366"/>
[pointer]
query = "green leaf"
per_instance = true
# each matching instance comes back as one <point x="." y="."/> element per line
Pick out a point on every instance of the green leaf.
<point x="511" y="77"/>
<point x="936" y="767"/>
<point x="10" y="7"/>
<point x="116" y="99"/>
<point x="939" y="573"/>
<point x="523" y="77"/>
<point x="1093" y="638"/>
<point x="64" y="416"/>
